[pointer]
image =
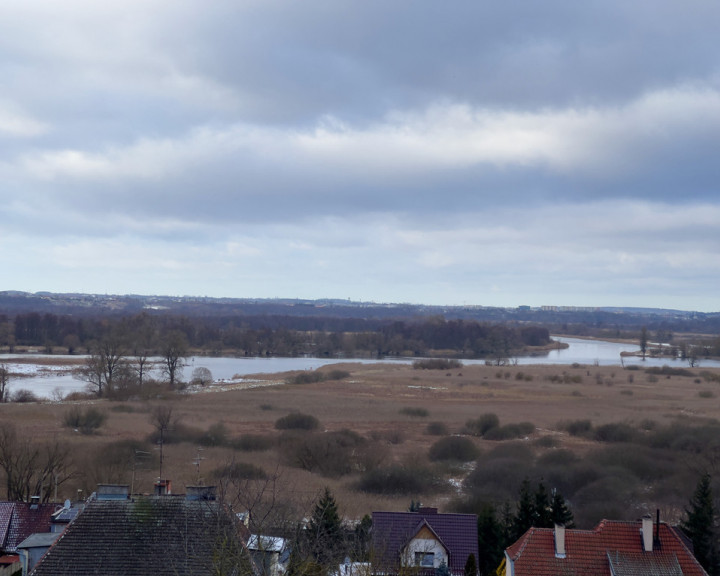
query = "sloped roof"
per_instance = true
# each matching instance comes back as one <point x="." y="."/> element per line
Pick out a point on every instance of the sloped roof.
<point x="588" y="552"/>
<point x="161" y="535"/>
<point x="391" y="531"/>
<point x="20" y="519"/>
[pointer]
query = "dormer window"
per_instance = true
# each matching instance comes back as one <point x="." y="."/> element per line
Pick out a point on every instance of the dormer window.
<point x="425" y="559"/>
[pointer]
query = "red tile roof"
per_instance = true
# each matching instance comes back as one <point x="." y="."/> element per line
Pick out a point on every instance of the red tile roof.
<point x="590" y="552"/>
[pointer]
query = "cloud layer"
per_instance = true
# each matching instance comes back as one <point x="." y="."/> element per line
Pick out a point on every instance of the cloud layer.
<point x="406" y="151"/>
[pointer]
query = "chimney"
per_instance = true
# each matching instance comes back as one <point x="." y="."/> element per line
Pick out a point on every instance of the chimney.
<point x="559" y="541"/>
<point x="163" y="487"/>
<point x="113" y="492"/>
<point x="34" y="502"/>
<point x="427" y="511"/>
<point x="200" y="493"/>
<point x="647" y="533"/>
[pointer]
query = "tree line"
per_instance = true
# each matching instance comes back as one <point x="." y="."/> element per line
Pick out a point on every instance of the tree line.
<point x="274" y="336"/>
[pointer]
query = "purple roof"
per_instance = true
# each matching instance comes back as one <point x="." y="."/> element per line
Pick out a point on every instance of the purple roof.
<point x="391" y="531"/>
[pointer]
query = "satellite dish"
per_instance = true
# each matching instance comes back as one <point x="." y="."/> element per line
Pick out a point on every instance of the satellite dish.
<point x="67" y="504"/>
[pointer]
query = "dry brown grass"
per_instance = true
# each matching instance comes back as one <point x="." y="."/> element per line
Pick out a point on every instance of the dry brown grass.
<point x="370" y="402"/>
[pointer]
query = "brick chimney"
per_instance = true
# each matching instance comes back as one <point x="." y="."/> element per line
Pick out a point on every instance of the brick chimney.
<point x="647" y="533"/>
<point x="560" y="541"/>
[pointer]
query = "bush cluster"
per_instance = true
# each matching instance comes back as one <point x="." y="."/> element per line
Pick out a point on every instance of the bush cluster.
<point x="252" y="443"/>
<point x="458" y="448"/>
<point x="86" y="421"/>
<point x="398" y="479"/>
<point x="297" y="421"/>
<point x="437" y="364"/>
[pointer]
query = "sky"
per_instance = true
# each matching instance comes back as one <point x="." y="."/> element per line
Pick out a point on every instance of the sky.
<point x="453" y="153"/>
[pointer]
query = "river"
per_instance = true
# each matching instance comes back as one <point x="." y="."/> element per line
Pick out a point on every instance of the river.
<point x="50" y="382"/>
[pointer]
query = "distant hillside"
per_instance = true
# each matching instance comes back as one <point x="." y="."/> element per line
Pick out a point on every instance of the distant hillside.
<point x="608" y="321"/>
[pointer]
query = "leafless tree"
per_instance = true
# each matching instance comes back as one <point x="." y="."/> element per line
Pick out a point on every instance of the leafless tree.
<point x="4" y="381"/>
<point x="30" y="468"/>
<point x="163" y="419"/>
<point x="174" y="351"/>
<point x="202" y="376"/>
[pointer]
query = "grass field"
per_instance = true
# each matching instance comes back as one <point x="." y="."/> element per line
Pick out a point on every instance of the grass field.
<point x="390" y="407"/>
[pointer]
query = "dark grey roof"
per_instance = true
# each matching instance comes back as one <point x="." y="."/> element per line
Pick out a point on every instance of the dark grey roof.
<point x="39" y="540"/>
<point x="391" y="531"/>
<point x="162" y="535"/>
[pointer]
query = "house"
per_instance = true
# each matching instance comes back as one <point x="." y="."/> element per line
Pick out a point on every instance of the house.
<point x="269" y="554"/>
<point x="162" y="535"/>
<point x="18" y="520"/>
<point x="424" y="539"/>
<point x="612" y="548"/>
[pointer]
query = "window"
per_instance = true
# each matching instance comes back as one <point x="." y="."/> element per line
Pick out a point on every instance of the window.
<point x="425" y="559"/>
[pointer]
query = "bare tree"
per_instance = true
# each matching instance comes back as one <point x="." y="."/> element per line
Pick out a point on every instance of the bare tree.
<point x="105" y="363"/>
<point x="202" y="376"/>
<point x="32" y="469"/>
<point x="174" y="351"/>
<point x="163" y="419"/>
<point x="4" y="381"/>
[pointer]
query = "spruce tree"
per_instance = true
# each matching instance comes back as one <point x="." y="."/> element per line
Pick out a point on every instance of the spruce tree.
<point x="699" y="525"/>
<point x="491" y="540"/>
<point x="560" y="513"/>
<point x="324" y="531"/>
<point x="471" y="568"/>
<point x="542" y="517"/>
<point x="525" y="515"/>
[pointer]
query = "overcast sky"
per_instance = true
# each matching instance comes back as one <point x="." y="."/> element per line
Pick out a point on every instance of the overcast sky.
<point x="466" y="152"/>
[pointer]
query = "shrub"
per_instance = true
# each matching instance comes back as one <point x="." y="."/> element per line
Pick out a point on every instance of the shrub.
<point x="398" y="479"/>
<point x="436" y="364"/>
<point x="415" y="412"/>
<point x="337" y="375"/>
<point x="253" y="443"/>
<point x="482" y="425"/>
<point x="86" y="421"/>
<point x="266" y="407"/>
<point x="24" y="395"/>
<point x="562" y="457"/>
<point x="436" y="429"/>
<point x="332" y="454"/>
<point x="216" y="435"/>
<point x="510" y="431"/>
<point x="617" y="432"/>
<point x="706" y="394"/>
<point x="297" y="421"/>
<point x="453" y="448"/>
<point x="627" y="392"/>
<point x="669" y="371"/>
<point x="307" y="378"/>
<point x="577" y="427"/>
<point x="546" y="442"/>
<point x="239" y="471"/>
<point x="393" y="436"/>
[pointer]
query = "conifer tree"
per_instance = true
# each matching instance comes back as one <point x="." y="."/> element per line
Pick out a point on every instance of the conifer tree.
<point x="324" y="531"/>
<point x="699" y="525"/>
<point x="525" y="515"/>
<point x="491" y="540"/>
<point x="560" y="513"/>
<point x="471" y="568"/>
<point x="542" y="517"/>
